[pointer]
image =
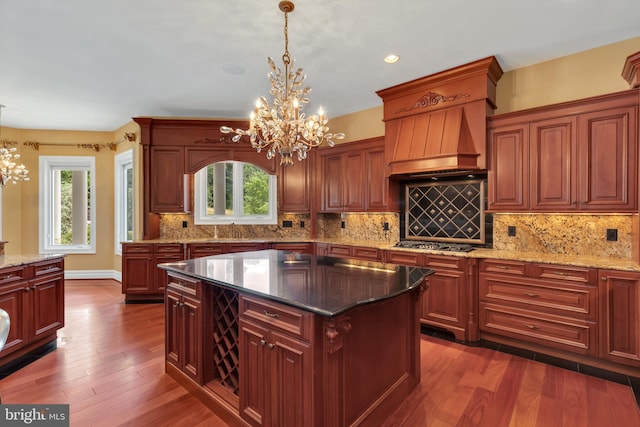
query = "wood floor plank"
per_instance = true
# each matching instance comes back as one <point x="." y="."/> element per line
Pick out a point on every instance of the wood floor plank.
<point x="109" y="367"/>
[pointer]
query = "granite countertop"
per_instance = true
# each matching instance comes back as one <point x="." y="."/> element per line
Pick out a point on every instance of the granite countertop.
<point x="541" y="257"/>
<point x="304" y="281"/>
<point x="14" y="260"/>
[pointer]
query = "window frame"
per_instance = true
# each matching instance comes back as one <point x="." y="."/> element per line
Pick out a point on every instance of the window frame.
<point x="122" y="162"/>
<point x="47" y="164"/>
<point x="200" y="215"/>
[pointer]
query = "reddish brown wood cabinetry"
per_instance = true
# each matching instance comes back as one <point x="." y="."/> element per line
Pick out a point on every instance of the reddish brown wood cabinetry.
<point x="351" y="178"/>
<point x="294" y="186"/>
<point x="620" y="316"/>
<point x="33" y="296"/>
<point x="576" y="156"/>
<point x="445" y="301"/>
<point x="167" y="179"/>
<point x="276" y="375"/>
<point x="549" y="305"/>
<point x="183" y="346"/>
<point x="141" y="279"/>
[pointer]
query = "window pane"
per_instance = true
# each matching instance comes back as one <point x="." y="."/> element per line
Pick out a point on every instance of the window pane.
<point x="129" y="203"/>
<point x="220" y="189"/>
<point x="255" y="191"/>
<point x="71" y="207"/>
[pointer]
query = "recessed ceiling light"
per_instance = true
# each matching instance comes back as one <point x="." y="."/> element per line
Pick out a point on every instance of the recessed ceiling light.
<point x="391" y="59"/>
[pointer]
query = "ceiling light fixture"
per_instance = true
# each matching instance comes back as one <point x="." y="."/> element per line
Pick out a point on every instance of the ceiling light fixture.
<point x="391" y="59"/>
<point x="282" y="127"/>
<point x="9" y="170"/>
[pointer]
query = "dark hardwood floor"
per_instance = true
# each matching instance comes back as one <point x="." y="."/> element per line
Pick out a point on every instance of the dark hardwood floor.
<point x="109" y="366"/>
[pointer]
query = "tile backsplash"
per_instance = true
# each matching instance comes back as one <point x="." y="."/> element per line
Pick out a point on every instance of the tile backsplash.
<point x="565" y="234"/>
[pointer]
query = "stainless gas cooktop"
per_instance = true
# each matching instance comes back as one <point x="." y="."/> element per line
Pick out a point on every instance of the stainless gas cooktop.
<point x="436" y="246"/>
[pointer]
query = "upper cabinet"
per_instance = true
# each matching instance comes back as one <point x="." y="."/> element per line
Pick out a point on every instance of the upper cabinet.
<point x="294" y="186"/>
<point x="351" y="178"/>
<point x="575" y="156"/>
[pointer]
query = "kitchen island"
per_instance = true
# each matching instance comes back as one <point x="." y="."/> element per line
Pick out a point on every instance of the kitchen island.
<point x="279" y="338"/>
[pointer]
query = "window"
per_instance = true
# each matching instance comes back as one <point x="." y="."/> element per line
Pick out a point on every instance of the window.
<point x="234" y="193"/>
<point x="123" y="191"/>
<point x="67" y="204"/>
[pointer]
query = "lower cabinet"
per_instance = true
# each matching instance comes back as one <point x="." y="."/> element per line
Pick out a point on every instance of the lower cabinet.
<point x="141" y="279"/>
<point x="183" y="326"/>
<point x="276" y="374"/>
<point x="33" y="296"/>
<point x="445" y="301"/>
<point x="620" y="316"/>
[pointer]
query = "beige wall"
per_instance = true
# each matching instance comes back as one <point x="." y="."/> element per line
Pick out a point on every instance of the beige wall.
<point x="20" y="203"/>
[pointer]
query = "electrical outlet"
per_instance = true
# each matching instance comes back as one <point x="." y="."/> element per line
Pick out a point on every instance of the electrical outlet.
<point x="343" y="224"/>
<point x="612" y="234"/>
<point x="184" y="224"/>
<point x="301" y="224"/>
<point x="385" y="226"/>
<point x="511" y="230"/>
<point x="287" y="224"/>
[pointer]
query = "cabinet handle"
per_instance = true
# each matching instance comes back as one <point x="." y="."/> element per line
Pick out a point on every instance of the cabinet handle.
<point x="560" y="273"/>
<point x="27" y="289"/>
<point x="271" y="315"/>
<point x="531" y="294"/>
<point x="176" y="304"/>
<point x="271" y="346"/>
<point x="502" y="267"/>
<point x="604" y="278"/>
<point x="8" y="276"/>
<point x="263" y="343"/>
<point x="531" y="326"/>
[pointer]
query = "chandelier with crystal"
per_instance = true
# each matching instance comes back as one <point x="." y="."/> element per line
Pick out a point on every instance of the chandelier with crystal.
<point x="282" y="127"/>
<point x="10" y="171"/>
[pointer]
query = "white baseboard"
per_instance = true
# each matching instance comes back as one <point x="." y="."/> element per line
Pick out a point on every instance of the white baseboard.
<point x="93" y="274"/>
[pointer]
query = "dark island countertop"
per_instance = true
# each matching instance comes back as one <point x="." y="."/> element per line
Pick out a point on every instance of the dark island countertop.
<point x="323" y="285"/>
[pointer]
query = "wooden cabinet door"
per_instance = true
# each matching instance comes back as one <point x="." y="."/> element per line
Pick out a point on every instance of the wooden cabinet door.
<point x="294" y="187"/>
<point x="354" y="181"/>
<point x="441" y="302"/>
<point x="291" y="380"/>
<point x="192" y="338"/>
<point x="138" y="273"/>
<point x="47" y="300"/>
<point x="607" y="163"/>
<point x="173" y="330"/>
<point x="376" y="182"/>
<point x="330" y="181"/>
<point x="508" y="175"/>
<point x="620" y="316"/>
<point x="553" y="163"/>
<point x="167" y="179"/>
<point x="254" y="388"/>
<point x="14" y="300"/>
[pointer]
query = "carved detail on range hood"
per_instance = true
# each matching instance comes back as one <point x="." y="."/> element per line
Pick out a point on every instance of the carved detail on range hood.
<point x="438" y="122"/>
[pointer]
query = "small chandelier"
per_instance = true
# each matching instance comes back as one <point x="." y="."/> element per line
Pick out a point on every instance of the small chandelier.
<point x="282" y="127"/>
<point x="9" y="170"/>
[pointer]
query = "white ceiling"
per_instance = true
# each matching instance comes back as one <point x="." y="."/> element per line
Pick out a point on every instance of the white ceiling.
<point x="94" y="64"/>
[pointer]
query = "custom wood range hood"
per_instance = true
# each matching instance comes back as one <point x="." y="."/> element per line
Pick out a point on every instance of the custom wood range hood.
<point x="437" y="123"/>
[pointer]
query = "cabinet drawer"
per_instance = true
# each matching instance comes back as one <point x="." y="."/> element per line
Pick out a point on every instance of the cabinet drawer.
<point x="184" y="285"/>
<point x="443" y="261"/>
<point x="367" y="253"/>
<point x="173" y="248"/>
<point x="137" y="248"/>
<point x="13" y="274"/>
<point x="503" y="266"/>
<point x="339" y="250"/>
<point x="48" y="267"/>
<point x="197" y="250"/>
<point x="289" y="319"/>
<point x="565" y="299"/>
<point x="565" y="272"/>
<point x="243" y="247"/>
<point x="552" y="331"/>
<point x="306" y="248"/>
<point x="404" y="258"/>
